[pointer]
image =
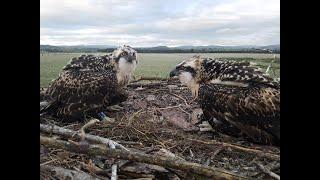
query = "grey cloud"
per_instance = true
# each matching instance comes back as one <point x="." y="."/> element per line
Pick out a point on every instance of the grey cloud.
<point x="150" y="23"/>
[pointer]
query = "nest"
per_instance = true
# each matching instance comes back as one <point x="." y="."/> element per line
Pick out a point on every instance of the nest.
<point x="159" y="118"/>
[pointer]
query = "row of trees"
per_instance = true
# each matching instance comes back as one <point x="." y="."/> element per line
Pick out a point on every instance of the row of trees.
<point x="159" y="50"/>
<point x="146" y="50"/>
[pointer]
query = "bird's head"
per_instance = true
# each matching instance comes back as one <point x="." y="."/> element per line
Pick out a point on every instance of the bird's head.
<point x="125" y="54"/>
<point x="126" y="60"/>
<point x="189" y="73"/>
<point x="199" y="70"/>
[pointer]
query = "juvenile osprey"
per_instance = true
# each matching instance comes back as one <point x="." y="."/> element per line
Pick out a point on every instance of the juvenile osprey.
<point x="236" y="98"/>
<point x="88" y="84"/>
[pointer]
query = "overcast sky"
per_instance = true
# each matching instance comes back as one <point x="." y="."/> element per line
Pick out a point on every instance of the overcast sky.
<point x="159" y="22"/>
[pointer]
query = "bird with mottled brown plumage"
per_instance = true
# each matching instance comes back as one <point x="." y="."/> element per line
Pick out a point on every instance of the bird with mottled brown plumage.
<point x="237" y="98"/>
<point x="88" y="84"/>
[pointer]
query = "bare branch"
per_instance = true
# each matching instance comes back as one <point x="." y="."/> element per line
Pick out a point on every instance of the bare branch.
<point x="70" y="133"/>
<point x="267" y="171"/>
<point x="96" y="150"/>
<point x="241" y="148"/>
<point x="87" y="125"/>
<point x="62" y="173"/>
<point x="142" y="78"/>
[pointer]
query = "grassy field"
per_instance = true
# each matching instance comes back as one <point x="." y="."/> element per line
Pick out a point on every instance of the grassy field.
<point x="149" y="64"/>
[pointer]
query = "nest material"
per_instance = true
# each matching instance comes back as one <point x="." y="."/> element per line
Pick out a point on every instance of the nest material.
<point x="161" y="117"/>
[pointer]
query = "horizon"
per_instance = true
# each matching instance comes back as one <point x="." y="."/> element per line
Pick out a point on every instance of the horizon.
<point x="157" y="46"/>
<point x="166" y="23"/>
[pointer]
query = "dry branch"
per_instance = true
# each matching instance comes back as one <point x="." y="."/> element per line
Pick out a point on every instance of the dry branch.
<point x="95" y="150"/>
<point x="70" y="133"/>
<point x="142" y="78"/>
<point x="185" y="101"/>
<point x="243" y="149"/>
<point x="62" y="173"/>
<point x="114" y="167"/>
<point x="267" y="171"/>
<point x="89" y="124"/>
<point x="149" y="85"/>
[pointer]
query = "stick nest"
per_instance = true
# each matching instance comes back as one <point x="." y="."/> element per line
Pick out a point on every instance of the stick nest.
<point x="160" y="117"/>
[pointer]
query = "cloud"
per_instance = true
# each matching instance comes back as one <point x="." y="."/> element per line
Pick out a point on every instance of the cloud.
<point x="166" y="22"/>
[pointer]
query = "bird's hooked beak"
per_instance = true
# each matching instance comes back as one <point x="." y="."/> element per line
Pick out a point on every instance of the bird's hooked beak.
<point x="132" y="58"/>
<point x="174" y="72"/>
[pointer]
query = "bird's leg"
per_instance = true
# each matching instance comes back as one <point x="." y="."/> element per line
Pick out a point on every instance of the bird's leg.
<point x="105" y="118"/>
<point x="115" y="108"/>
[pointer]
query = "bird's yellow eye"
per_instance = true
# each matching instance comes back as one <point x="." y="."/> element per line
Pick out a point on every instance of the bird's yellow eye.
<point x="123" y="54"/>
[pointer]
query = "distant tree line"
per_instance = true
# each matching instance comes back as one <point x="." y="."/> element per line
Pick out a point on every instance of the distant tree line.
<point x="56" y="49"/>
<point x="146" y="50"/>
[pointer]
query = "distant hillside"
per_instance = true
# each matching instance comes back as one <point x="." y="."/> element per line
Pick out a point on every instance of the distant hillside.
<point x="79" y="48"/>
<point x="165" y="49"/>
<point x="215" y="47"/>
<point x="243" y="47"/>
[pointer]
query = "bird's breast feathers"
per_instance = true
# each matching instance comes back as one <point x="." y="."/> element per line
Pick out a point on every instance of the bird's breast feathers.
<point x="125" y="71"/>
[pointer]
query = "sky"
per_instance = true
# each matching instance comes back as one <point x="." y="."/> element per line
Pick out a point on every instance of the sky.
<point x="142" y="23"/>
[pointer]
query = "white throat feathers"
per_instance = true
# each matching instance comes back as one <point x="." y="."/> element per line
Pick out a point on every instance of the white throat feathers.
<point x="187" y="79"/>
<point x="125" y="71"/>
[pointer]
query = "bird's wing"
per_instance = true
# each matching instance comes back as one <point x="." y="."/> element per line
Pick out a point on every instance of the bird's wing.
<point x="255" y="75"/>
<point x="85" y="89"/>
<point x="253" y="110"/>
<point x="89" y="62"/>
<point x="244" y="72"/>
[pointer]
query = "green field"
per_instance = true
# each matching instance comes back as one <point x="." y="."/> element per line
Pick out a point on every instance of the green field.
<point x="149" y="64"/>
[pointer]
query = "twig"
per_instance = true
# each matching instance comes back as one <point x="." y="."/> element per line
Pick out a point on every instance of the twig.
<point x="217" y="151"/>
<point x="267" y="171"/>
<point x="133" y="116"/>
<point x="243" y="149"/>
<point x="169" y="107"/>
<point x="113" y="167"/>
<point x="150" y="79"/>
<point x="45" y="163"/>
<point x="149" y="85"/>
<point x="273" y="166"/>
<point x="270" y="65"/>
<point x="130" y="142"/>
<point x="95" y="150"/>
<point x="70" y="133"/>
<point x="87" y="125"/>
<point x="96" y="170"/>
<point x="185" y="101"/>
<point x="184" y="111"/>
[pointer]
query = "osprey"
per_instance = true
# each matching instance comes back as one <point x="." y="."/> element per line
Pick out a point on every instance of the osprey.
<point x="237" y="98"/>
<point x="88" y="84"/>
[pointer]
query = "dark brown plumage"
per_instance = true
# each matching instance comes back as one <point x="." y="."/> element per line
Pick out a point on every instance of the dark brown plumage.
<point x="236" y="98"/>
<point x="88" y="84"/>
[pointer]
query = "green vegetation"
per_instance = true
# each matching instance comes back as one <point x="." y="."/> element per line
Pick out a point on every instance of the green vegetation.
<point x="150" y="64"/>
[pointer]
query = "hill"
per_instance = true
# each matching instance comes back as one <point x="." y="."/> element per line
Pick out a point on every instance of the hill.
<point x="165" y="49"/>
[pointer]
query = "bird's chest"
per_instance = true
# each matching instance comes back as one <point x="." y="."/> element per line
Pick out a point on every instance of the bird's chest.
<point x="125" y="72"/>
